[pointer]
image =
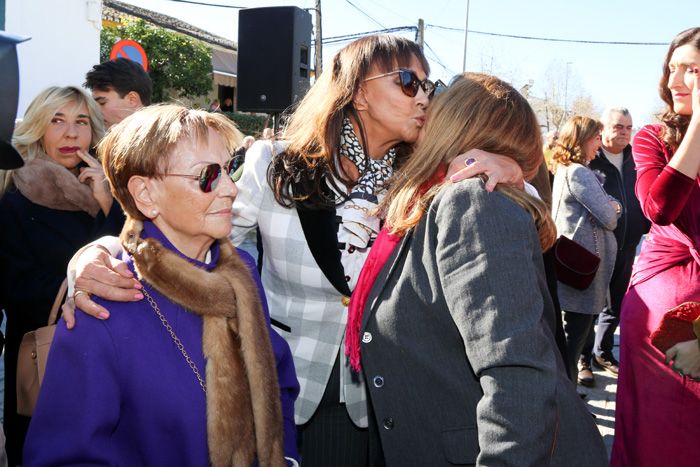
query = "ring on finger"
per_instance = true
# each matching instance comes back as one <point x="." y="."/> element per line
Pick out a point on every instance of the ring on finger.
<point x="78" y="292"/>
<point x="470" y="161"/>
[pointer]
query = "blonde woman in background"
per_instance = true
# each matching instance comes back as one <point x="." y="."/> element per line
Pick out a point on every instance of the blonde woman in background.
<point x="50" y="207"/>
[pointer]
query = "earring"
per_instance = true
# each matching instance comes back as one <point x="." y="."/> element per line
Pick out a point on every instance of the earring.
<point x="154" y="213"/>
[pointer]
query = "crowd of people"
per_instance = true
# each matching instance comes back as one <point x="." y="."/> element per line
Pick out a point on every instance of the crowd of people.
<point x="374" y="285"/>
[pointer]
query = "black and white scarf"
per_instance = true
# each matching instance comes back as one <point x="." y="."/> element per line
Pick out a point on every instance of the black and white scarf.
<point x="364" y="196"/>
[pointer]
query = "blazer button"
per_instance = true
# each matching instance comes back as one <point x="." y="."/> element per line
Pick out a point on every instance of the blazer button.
<point x="388" y="423"/>
<point x="367" y="337"/>
<point x="345" y="300"/>
<point x="378" y="381"/>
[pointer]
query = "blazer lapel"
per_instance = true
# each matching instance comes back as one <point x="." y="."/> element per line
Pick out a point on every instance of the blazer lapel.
<point x="321" y="232"/>
<point x="394" y="260"/>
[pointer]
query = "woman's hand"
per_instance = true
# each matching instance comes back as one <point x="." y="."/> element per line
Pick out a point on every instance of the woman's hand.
<point x="498" y="169"/>
<point x="686" y="358"/>
<point x="99" y="273"/>
<point x="95" y="178"/>
<point x="696" y="92"/>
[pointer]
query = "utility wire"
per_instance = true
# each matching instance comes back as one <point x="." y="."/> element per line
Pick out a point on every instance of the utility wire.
<point x="348" y="37"/>
<point x="438" y="61"/>
<point x="548" y="39"/>
<point x="364" y="13"/>
<point x="208" y="4"/>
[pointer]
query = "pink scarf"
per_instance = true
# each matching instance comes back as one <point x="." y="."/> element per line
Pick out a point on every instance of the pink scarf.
<point x="384" y="246"/>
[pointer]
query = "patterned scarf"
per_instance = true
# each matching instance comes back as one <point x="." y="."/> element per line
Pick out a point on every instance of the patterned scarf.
<point x="364" y="196"/>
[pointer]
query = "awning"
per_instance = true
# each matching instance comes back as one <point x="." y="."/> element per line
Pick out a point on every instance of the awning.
<point x="224" y="63"/>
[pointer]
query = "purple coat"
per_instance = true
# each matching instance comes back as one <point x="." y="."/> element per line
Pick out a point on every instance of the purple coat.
<point x="118" y="392"/>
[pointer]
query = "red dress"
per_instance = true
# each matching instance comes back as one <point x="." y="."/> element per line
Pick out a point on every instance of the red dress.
<point x="657" y="419"/>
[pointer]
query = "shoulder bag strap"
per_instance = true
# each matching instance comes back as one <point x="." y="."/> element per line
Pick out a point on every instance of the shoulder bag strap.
<point x="578" y="224"/>
<point x="58" y="301"/>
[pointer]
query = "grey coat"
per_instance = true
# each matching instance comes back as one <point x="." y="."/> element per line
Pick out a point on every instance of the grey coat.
<point x="458" y="347"/>
<point x="580" y="206"/>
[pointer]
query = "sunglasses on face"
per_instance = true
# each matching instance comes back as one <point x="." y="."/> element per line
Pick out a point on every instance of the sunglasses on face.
<point x="409" y="83"/>
<point x="210" y="175"/>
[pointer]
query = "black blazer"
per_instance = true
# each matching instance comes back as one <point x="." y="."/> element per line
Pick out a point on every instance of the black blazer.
<point x="36" y="244"/>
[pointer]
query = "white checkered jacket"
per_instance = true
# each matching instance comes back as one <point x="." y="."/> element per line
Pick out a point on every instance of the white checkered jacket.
<point x="298" y="293"/>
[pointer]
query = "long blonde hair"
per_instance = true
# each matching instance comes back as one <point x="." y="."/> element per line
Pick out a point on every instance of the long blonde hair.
<point x="476" y="111"/>
<point x="313" y="132"/>
<point x="30" y="131"/>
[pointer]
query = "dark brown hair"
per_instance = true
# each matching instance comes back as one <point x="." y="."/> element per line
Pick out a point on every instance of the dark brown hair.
<point x="305" y="170"/>
<point x="675" y="125"/>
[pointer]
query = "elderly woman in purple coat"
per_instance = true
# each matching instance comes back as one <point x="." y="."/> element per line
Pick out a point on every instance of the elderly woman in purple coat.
<point x="193" y="375"/>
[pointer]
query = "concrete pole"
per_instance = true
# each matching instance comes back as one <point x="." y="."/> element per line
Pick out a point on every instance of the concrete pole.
<point x="466" y="30"/>
<point x="319" y="38"/>
<point x="420" y="33"/>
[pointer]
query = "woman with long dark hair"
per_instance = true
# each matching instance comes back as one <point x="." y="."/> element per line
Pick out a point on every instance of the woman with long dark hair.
<point x="657" y="405"/>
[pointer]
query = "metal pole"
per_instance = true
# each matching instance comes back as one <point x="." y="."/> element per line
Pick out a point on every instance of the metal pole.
<point x="318" y="66"/>
<point x="466" y="30"/>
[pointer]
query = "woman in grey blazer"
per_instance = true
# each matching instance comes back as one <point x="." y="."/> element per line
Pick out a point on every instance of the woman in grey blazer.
<point x="451" y="313"/>
<point x="585" y="213"/>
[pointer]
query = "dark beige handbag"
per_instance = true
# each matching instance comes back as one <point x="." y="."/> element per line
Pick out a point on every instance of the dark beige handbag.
<point x="33" y="354"/>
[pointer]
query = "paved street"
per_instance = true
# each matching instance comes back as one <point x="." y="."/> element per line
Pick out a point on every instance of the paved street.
<point x="601" y="399"/>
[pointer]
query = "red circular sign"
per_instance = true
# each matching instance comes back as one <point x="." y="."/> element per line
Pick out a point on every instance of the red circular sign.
<point x="127" y="48"/>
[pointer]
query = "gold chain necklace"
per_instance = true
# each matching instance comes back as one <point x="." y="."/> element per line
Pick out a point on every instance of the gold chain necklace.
<point x="176" y="339"/>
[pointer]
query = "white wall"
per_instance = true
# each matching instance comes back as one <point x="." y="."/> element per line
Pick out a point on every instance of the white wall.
<point x="65" y="42"/>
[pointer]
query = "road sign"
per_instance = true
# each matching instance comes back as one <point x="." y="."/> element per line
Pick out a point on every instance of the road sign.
<point x="129" y="49"/>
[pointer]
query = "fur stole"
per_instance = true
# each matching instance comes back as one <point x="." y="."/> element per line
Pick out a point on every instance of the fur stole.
<point x="47" y="183"/>
<point x="244" y="414"/>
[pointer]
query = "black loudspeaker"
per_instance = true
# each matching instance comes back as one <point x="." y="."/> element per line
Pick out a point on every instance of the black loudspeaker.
<point x="274" y="46"/>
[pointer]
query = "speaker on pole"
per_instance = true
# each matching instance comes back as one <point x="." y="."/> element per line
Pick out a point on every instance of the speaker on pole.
<point x="273" y="58"/>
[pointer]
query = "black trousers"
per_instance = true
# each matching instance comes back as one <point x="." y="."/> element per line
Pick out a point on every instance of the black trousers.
<point x="576" y="328"/>
<point x="600" y="342"/>
<point x="330" y="438"/>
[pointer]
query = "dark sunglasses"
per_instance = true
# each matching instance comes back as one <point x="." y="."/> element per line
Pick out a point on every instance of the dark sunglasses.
<point x="210" y="175"/>
<point x="409" y="82"/>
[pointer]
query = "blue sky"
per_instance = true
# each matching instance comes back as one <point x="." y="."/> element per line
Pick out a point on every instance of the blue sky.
<point x="625" y="75"/>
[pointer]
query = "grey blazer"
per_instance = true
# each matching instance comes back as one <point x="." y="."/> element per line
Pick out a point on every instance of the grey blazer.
<point x="581" y="206"/>
<point x="458" y="348"/>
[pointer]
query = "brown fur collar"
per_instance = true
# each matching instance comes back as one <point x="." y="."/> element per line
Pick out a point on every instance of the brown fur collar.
<point x="49" y="184"/>
<point x="244" y="414"/>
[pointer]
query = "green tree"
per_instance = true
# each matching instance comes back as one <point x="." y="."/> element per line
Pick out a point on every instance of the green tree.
<point x="175" y="61"/>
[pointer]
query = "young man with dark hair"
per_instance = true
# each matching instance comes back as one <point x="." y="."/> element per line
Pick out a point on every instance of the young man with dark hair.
<point x="120" y="87"/>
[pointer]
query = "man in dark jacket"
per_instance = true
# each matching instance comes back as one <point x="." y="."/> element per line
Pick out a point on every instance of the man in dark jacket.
<point x="615" y="165"/>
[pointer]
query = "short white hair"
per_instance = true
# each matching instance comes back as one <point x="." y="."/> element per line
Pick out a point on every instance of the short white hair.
<point x="605" y="116"/>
